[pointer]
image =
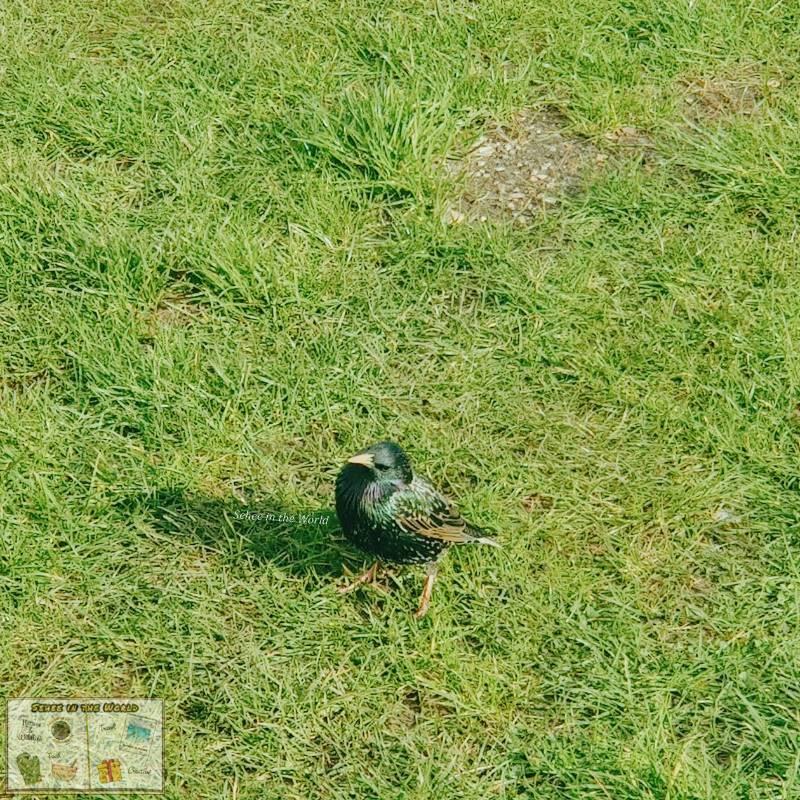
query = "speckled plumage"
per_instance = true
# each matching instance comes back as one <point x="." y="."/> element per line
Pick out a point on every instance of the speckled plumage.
<point x="398" y="518"/>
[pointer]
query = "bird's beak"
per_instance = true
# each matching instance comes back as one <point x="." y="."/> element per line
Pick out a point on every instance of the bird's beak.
<point x="365" y="459"/>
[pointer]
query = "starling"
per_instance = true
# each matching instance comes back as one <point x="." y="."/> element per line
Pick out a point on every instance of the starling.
<point x="387" y="511"/>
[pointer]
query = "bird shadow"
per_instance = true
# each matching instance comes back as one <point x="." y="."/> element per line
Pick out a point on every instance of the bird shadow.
<point x="300" y="541"/>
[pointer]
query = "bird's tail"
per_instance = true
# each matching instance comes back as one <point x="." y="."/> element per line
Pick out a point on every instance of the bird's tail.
<point x="479" y="538"/>
<point x="487" y="540"/>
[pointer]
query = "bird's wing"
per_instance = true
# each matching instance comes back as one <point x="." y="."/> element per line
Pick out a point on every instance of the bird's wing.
<point x="420" y="510"/>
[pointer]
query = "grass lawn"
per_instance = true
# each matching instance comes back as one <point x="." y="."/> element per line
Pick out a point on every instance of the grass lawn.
<point x="224" y="269"/>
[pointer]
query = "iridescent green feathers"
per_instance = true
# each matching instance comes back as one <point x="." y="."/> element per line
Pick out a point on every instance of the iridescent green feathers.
<point x="393" y="515"/>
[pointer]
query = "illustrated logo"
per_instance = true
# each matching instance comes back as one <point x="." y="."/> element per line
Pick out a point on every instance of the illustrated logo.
<point x="96" y="745"/>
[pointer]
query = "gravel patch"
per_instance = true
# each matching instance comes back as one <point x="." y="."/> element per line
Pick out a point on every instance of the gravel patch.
<point x="519" y="170"/>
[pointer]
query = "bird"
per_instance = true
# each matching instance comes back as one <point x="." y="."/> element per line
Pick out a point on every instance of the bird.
<point x="397" y="517"/>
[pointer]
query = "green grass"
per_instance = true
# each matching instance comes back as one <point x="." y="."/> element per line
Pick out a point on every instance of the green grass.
<point x="222" y="271"/>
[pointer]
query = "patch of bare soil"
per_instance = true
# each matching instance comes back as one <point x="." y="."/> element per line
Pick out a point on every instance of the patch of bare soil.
<point x="629" y="138"/>
<point x="171" y="312"/>
<point x="739" y="92"/>
<point x="176" y="311"/>
<point x="518" y="170"/>
<point x="24" y="382"/>
<point x="535" y="502"/>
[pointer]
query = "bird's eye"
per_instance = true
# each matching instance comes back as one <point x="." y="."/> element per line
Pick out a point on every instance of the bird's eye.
<point x="382" y="467"/>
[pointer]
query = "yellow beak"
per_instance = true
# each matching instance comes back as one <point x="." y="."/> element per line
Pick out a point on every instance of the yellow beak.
<point x="365" y="459"/>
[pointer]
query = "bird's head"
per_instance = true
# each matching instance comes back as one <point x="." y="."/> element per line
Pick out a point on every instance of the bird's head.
<point x="385" y="462"/>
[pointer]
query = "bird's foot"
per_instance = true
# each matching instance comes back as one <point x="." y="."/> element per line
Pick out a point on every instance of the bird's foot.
<point x="424" y="605"/>
<point x="370" y="577"/>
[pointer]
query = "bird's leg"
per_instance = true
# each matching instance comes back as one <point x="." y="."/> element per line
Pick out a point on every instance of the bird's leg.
<point x="367" y="577"/>
<point x="425" y="600"/>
